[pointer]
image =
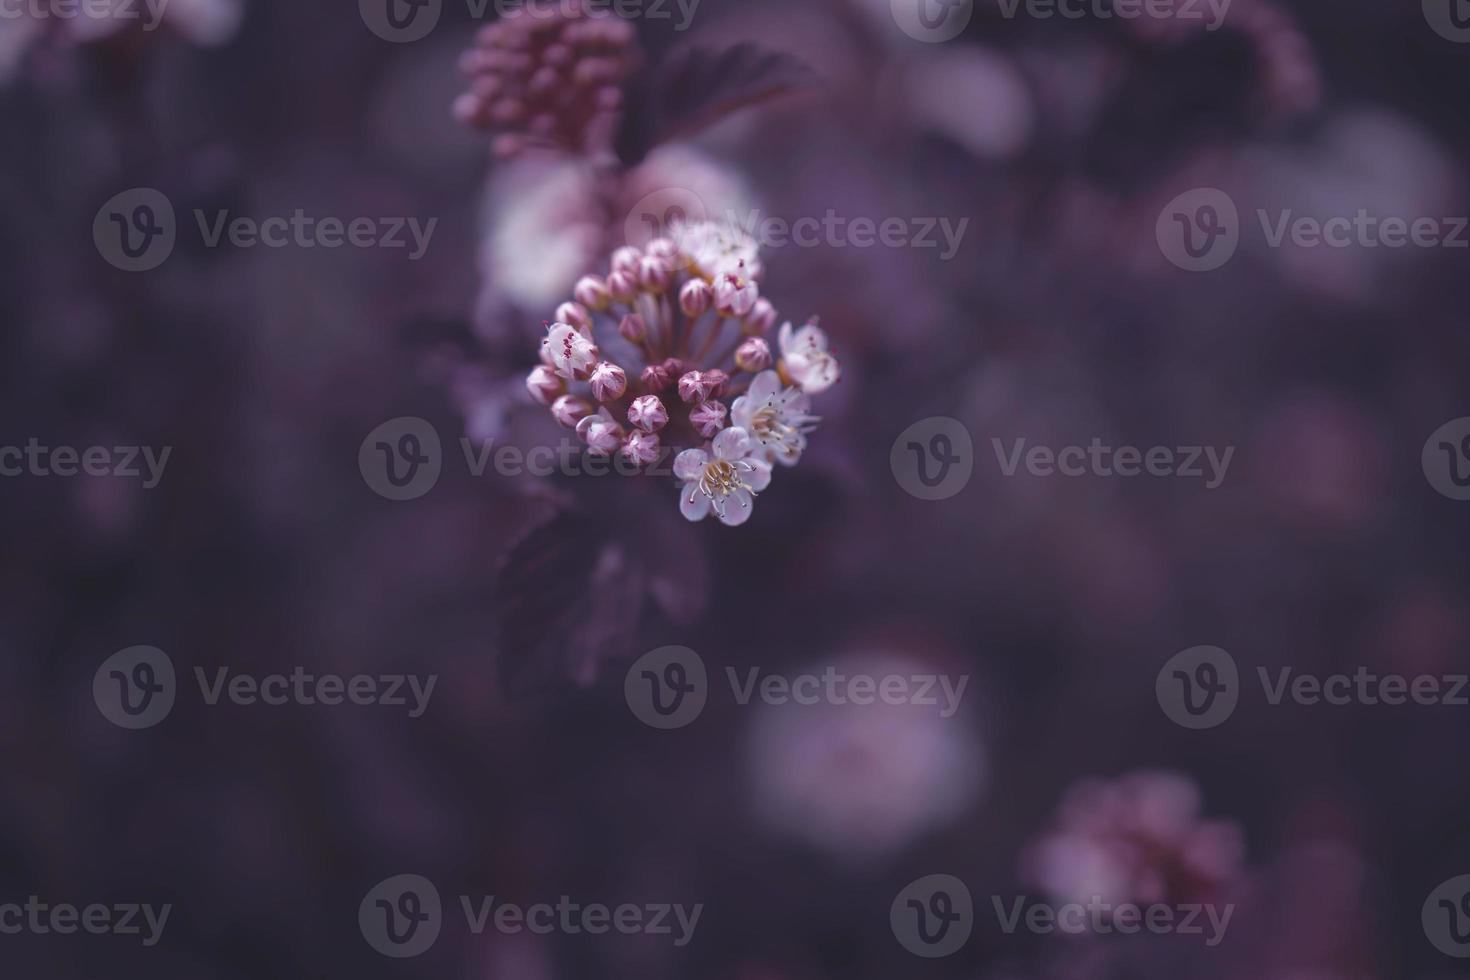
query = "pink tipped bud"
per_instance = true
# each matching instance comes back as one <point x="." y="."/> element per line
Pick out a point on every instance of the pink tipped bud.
<point x="568" y="410"/>
<point x="575" y="314"/>
<point x="716" y="379"/>
<point x="693" y="388"/>
<point x="753" y="355"/>
<point x="626" y="259"/>
<point x="622" y="286"/>
<point x="608" y="382"/>
<point x="735" y="296"/>
<point x="655" y="275"/>
<point x="709" y="418"/>
<point x="543" y="384"/>
<point x="761" y="319"/>
<point x="656" y="378"/>
<point x="601" y="433"/>
<point x="641" y="449"/>
<point x="648" y="413"/>
<point x="592" y="293"/>
<point x="633" y="329"/>
<point x="696" y="297"/>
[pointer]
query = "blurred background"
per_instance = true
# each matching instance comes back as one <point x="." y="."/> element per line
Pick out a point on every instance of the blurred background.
<point x="1059" y="317"/>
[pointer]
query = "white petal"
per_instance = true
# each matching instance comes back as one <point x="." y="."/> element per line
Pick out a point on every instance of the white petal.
<point x="737" y="509"/>
<point x="765" y="384"/>
<point x="810" y="339"/>
<point x="742" y="411"/>
<point x="690" y="463"/>
<point x="693" y="504"/>
<point x="759" y="476"/>
<point x="783" y="338"/>
<point x="731" y="443"/>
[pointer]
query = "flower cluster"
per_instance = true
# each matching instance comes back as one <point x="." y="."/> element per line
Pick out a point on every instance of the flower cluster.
<point x="549" y="74"/>
<point x="1138" y="839"/>
<point x="669" y="352"/>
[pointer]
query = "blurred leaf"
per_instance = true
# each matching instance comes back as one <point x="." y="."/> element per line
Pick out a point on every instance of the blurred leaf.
<point x="698" y="85"/>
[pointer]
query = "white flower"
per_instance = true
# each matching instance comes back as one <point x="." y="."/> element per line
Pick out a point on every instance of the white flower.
<point x="776" y="417"/>
<point x="805" y="359"/>
<point x="568" y="350"/>
<point x="723" y="480"/>
<point x="718" y="249"/>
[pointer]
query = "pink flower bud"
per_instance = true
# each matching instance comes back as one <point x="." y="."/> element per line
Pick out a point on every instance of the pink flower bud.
<point x="655" y="275"/>
<point x="656" y="377"/>
<point x="648" y="413"/>
<point x="641" y="449"/>
<point x="575" y="314"/>
<point x="709" y="418"/>
<point x="693" y="388"/>
<point x="601" y="433"/>
<point x="622" y="286"/>
<point x="761" y="319"/>
<point x="592" y="293"/>
<point x="754" y="355"/>
<point x="568" y="410"/>
<point x="716" y="379"/>
<point x="633" y="329"/>
<point x="626" y="259"/>
<point x="544" y="385"/>
<point x="608" y="382"/>
<point x="696" y="297"/>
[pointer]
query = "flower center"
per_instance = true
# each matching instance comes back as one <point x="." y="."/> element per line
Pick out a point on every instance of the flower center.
<point x="719" y="480"/>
